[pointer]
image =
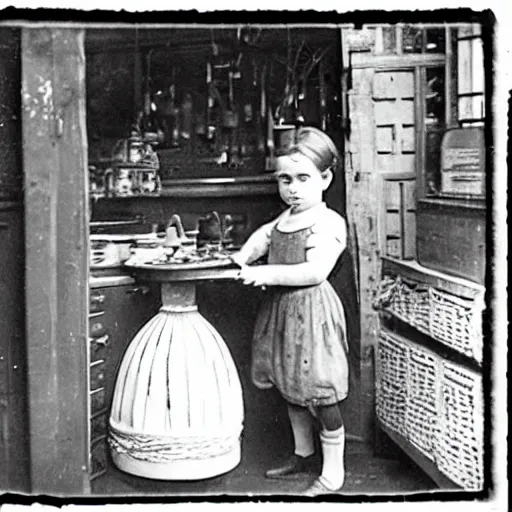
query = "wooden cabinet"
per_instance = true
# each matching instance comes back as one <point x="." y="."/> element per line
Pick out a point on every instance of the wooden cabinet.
<point x="452" y="237"/>
<point x="118" y="308"/>
<point x="14" y="471"/>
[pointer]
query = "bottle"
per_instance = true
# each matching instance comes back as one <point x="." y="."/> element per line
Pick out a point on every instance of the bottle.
<point x="186" y="118"/>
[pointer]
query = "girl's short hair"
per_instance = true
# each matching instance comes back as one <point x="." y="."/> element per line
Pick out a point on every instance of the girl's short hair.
<point x="317" y="146"/>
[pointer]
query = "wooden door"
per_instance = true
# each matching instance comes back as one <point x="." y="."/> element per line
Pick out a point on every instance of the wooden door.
<point x="394" y="108"/>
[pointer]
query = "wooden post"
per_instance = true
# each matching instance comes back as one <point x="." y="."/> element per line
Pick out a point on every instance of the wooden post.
<point x="55" y="165"/>
<point x="362" y="210"/>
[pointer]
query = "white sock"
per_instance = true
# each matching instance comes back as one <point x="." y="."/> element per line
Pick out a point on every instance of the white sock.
<point x="333" y="450"/>
<point x="302" y="428"/>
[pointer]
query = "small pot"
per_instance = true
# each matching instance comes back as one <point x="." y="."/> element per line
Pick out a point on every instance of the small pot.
<point x="284" y="138"/>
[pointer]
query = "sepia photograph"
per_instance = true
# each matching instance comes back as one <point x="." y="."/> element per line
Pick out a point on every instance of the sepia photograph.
<point x="250" y="257"/>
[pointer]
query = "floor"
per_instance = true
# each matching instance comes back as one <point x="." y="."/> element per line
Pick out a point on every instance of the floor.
<point x="365" y="475"/>
<point x="266" y="441"/>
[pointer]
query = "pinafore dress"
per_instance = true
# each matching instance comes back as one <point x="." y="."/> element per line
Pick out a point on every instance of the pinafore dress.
<point x="299" y="343"/>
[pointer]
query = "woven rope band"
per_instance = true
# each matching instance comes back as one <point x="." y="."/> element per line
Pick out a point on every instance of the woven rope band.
<point x="153" y="448"/>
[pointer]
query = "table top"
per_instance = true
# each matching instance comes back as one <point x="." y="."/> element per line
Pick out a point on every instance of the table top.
<point x="192" y="271"/>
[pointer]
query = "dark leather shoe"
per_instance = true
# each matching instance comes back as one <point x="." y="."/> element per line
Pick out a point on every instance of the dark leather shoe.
<point x="294" y="467"/>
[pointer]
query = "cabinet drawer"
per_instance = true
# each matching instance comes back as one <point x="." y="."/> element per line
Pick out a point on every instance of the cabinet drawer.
<point x="99" y="426"/>
<point x="97" y="399"/>
<point x="98" y="348"/>
<point x="99" y="457"/>
<point x="97" y="375"/>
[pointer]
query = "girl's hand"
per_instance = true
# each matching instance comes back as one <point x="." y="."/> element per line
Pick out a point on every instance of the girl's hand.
<point x="238" y="259"/>
<point x="256" y="276"/>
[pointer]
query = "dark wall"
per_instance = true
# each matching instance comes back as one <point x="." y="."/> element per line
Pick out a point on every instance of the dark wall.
<point x="14" y="441"/>
<point x="10" y="115"/>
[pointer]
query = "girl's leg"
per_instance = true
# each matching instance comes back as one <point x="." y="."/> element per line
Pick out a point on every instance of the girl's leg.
<point x="303" y="435"/>
<point x="302" y="428"/>
<point x="332" y="438"/>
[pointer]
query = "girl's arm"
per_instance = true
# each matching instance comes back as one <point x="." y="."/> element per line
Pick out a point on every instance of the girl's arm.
<point x="256" y="245"/>
<point x="324" y="248"/>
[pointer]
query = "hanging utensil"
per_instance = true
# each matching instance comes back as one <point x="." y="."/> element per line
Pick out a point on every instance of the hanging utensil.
<point x="171" y="113"/>
<point x="261" y="112"/>
<point x="323" y="101"/>
<point x="231" y="121"/>
<point x="210" y="129"/>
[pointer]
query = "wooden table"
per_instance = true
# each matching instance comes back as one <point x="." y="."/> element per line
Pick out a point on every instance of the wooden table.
<point x="177" y="410"/>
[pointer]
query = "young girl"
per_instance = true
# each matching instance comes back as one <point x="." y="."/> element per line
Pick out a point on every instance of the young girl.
<point x="299" y="343"/>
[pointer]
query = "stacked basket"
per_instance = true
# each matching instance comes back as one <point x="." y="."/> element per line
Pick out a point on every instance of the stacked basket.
<point x="451" y="320"/>
<point x="435" y="405"/>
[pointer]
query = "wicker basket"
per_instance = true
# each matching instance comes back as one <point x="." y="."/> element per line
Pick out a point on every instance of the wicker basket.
<point x="457" y="322"/>
<point x="391" y="382"/>
<point x="406" y="300"/>
<point x="434" y="404"/>
<point x="459" y="449"/>
<point x="421" y="416"/>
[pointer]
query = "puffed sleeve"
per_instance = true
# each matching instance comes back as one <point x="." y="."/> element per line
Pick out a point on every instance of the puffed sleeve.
<point x="329" y="233"/>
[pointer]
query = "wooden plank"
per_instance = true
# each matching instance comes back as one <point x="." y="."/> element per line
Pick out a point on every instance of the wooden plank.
<point x="258" y="185"/>
<point x="396" y="62"/>
<point x="408" y="139"/>
<point x="54" y="142"/>
<point x="393" y="84"/>
<point x="409" y="219"/>
<point x="401" y="162"/>
<point x="362" y="218"/>
<point x="422" y="166"/>
<point x="385" y="139"/>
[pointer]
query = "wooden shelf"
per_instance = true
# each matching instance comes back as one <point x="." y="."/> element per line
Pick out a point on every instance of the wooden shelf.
<point x="220" y="187"/>
<point x="413" y="270"/>
<point x="427" y="465"/>
<point x="105" y="281"/>
<point x="473" y="203"/>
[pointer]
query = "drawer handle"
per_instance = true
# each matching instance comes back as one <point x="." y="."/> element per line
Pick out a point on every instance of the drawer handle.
<point x="142" y="289"/>
<point x="98" y="299"/>
<point x="103" y="340"/>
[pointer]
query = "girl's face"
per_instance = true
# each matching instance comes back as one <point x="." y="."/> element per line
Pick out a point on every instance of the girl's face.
<point x="301" y="184"/>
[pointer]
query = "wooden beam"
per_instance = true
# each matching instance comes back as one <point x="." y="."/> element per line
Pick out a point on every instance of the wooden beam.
<point x="395" y="62"/>
<point x="54" y="144"/>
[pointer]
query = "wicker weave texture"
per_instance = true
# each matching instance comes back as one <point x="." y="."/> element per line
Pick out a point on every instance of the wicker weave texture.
<point x="391" y="383"/>
<point x="453" y="321"/>
<point x="407" y="301"/>
<point x="459" y="450"/>
<point x="457" y="322"/>
<point x="434" y="404"/>
<point x="421" y="422"/>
